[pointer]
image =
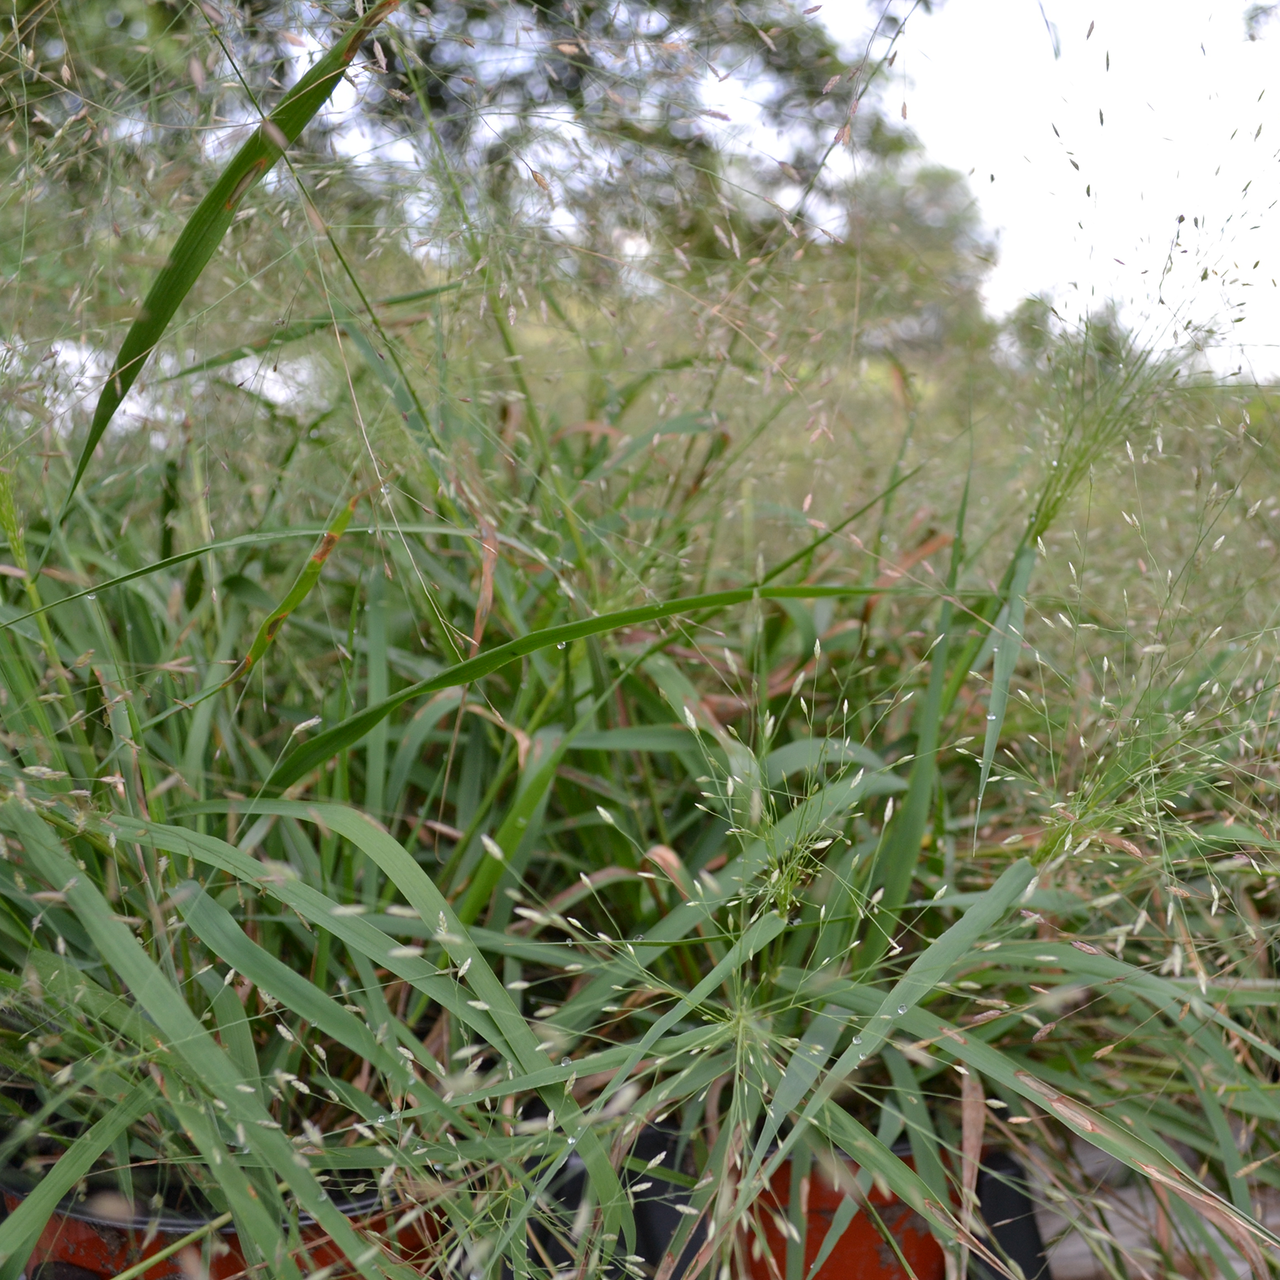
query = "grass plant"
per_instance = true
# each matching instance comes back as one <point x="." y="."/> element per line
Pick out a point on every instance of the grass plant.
<point x="461" y="710"/>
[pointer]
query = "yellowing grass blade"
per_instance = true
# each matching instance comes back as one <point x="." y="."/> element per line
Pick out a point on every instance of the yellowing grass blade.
<point x="204" y="231"/>
<point x="300" y="590"/>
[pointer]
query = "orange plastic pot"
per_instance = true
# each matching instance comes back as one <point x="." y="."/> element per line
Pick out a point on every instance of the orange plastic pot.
<point x="76" y="1245"/>
<point x="861" y="1253"/>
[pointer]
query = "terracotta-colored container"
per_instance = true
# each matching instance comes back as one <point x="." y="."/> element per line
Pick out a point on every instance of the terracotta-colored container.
<point x="76" y="1245"/>
<point x="861" y="1253"/>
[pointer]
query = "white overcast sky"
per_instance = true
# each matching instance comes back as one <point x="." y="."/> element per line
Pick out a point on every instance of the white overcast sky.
<point x="1181" y="104"/>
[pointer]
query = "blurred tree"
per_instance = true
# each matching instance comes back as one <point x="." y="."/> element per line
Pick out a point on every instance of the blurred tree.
<point x="917" y="234"/>
<point x="611" y="100"/>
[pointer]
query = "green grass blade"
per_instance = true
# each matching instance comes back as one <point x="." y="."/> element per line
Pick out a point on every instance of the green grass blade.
<point x="797" y="1211"/>
<point x="412" y="737"/>
<point x="218" y="930"/>
<point x="257" y="1219"/>
<point x="234" y="1029"/>
<point x="915" y="1112"/>
<point x="648" y="738"/>
<point x="294" y="332"/>
<point x="298" y="330"/>
<point x="206" y="227"/>
<point x="21" y="1229"/>
<point x="300" y="590"/>
<point x="376" y="686"/>
<point x="355" y="932"/>
<point x="1153" y="988"/>
<point x="872" y="1155"/>
<point x="515" y="828"/>
<point x="926" y="971"/>
<point x="686" y="424"/>
<point x="393" y="379"/>
<point x="759" y="935"/>
<point x="929" y="968"/>
<point x="807" y="1061"/>
<point x="264" y="537"/>
<point x="1125" y="1144"/>
<point x="933" y="964"/>
<point x="312" y="754"/>
<point x="1228" y="1150"/>
<point x="899" y="852"/>
<point x="1008" y="647"/>
<point x="207" y="1068"/>
<point x="808" y="755"/>
<point x="421" y="894"/>
<point x="71" y="984"/>
<point x="828" y="805"/>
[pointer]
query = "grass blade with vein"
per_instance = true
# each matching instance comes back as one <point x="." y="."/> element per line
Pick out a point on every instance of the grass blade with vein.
<point x="1128" y="1146"/>
<point x="217" y="928"/>
<point x="263" y="537"/>
<point x="355" y="932"/>
<point x="423" y="895"/>
<point x="212" y="219"/>
<point x="919" y="1123"/>
<point x="899" y="853"/>
<point x="928" y="969"/>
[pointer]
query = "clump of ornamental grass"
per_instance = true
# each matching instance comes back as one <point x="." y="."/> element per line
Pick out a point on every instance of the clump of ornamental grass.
<point x="464" y="718"/>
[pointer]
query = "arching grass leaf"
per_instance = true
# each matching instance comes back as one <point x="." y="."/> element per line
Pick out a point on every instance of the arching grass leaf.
<point x="204" y="230"/>
<point x="310" y="755"/>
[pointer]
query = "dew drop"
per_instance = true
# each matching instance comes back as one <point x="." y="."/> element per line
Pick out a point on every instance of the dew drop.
<point x="566" y="1062"/>
<point x="902" y="1008"/>
<point x="93" y="595"/>
<point x="560" y="645"/>
<point x="857" y="1039"/>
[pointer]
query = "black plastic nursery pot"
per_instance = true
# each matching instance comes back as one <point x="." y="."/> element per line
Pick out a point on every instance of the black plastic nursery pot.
<point x="861" y="1253"/>
<point x="81" y="1242"/>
